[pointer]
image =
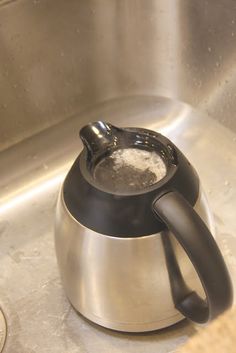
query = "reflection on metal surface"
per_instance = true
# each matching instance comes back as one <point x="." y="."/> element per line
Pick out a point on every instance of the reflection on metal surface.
<point x="31" y="191"/>
<point x="179" y="288"/>
<point x="129" y="295"/>
<point x="32" y="296"/>
<point x="58" y="58"/>
<point x="177" y="119"/>
<point x="3" y="330"/>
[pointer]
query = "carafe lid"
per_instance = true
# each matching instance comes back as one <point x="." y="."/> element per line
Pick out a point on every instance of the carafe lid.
<point x="125" y="161"/>
<point x="120" y="172"/>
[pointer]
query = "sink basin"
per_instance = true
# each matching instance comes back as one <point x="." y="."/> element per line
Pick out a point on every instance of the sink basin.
<point x="163" y="65"/>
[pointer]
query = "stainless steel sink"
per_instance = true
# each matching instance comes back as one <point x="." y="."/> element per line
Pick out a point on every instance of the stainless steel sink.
<point x="132" y="63"/>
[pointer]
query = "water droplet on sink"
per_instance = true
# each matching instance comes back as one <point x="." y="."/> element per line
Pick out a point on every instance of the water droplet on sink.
<point x="226" y="183"/>
<point x="209" y="49"/>
<point x="36" y="252"/>
<point x="232" y="34"/>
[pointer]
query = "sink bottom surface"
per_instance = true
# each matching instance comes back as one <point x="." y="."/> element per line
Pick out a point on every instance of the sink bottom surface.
<point x="38" y="313"/>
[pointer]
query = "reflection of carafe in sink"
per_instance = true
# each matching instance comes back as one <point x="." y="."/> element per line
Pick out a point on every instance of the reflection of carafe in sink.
<point x="128" y="213"/>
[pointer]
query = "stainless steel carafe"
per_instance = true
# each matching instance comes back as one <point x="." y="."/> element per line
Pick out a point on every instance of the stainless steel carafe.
<point x="137" y="257"/>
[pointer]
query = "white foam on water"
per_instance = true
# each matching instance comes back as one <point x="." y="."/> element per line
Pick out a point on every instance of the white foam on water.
<point x="139" y="159"/>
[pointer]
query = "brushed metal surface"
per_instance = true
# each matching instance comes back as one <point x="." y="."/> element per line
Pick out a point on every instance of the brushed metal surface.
<point x="121" y="283"/>
<point x="38" y="313"/>
<point x="59" y="57"/>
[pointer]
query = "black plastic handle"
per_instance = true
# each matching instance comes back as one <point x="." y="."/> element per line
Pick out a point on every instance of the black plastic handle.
<point x="194" y="236"/>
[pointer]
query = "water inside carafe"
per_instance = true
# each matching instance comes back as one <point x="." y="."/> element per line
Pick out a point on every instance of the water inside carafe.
<point x="130" y="170"/>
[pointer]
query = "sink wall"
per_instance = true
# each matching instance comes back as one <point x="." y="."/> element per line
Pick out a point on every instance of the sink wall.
<point x="60" y="57"/>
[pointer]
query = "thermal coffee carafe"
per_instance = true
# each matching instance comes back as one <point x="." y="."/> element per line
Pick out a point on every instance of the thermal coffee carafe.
<point x="133" y="234"/>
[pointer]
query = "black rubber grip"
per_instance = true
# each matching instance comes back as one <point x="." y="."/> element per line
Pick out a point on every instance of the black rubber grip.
<point x="194" y="236"/>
